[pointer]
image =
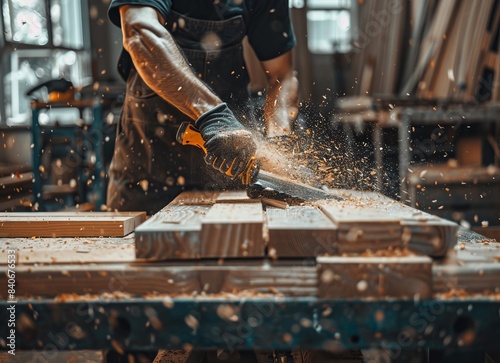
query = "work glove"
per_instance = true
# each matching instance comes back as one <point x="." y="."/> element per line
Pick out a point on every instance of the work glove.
<point x="230" y="147"/>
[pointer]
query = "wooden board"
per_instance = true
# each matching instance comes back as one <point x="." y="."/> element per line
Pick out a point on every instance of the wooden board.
<point x="113" y="280"/>
<point x="300" y="232"/>
<point x="233" y="230"/>
<point x="290" y="279"/>
<point x="235" y="196"/>
<point x="359" y="277"/>
<point x="423" y="232"/>
<point x="176" y="231"/>
<point x="195" y="197"/>
<point x="360" y="228"/>
<point x="420" y="231"/>
<point x="472" y="277"/>
<point x="229" y="224"/>
<point x="472" y="267"/>
<point x="16" y="180"/>
<point x="172" y="233"/>
<point x="69" y="224"/>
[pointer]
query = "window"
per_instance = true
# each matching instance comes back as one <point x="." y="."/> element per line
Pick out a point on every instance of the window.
<point x="25" y="21"/>
<point x="329" y="26"/>
<point x="38" y="47"/>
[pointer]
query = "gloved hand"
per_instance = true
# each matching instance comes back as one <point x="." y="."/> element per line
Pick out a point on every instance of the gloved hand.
<point x="230" y="147"/>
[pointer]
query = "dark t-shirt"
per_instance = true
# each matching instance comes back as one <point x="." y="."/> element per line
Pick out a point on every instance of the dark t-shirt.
<point x="268" y="23"/>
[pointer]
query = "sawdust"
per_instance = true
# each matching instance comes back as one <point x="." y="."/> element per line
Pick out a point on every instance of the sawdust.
<point x="281" y="157"/>
<point x="120" y="295"/>
<point x="463" y="294"/>
<point x="315" y="157"/>
<point x="388" y="252"/>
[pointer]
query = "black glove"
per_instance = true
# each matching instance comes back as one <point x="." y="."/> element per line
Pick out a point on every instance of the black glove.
<point x="230" y="147"/>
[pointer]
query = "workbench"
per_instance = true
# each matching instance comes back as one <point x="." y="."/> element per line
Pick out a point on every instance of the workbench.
<point x="130" y="293"/>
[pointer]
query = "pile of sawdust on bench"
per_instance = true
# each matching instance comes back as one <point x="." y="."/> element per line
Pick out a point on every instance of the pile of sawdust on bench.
<point x="465" y="295"/>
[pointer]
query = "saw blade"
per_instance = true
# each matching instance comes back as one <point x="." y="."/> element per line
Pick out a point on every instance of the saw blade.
<point x="269" y="185"/>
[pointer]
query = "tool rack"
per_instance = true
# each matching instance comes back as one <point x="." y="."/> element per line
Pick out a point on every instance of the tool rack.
<point x="90" y="135"/>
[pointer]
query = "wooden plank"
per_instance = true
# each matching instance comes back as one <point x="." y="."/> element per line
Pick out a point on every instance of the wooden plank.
<point x="361" y="277"/>
<point x="432" y="44"/>
<point x="472" y="278"/>
<point x="196" y="197"/>
<point x="300" y="232"/>
<point x="115" y="280"/>
<point x="233" y="230"/>
<point x="235" y="196"/>
<point x="484" y="250"/>
<point x="16" y="180"/>
<point x="431" y="236"/>
<point x="8" y="170"/>
<point x="97" y="279"/>
<point x="394" y="50"/>
<point x="420" y="231"/>
<point x="418" y="9"/>
<point x="442" y="84"/>
<point x="469" y="46"/>
<point x="286" y="280"/>
<point x="472" y="267"/>
<point x="172" y="233"/>
<point x="36" y="251"/>
<point x="15" y="202"/>
<point x="478" y="47"/>
<point x="361" y="227"/>
<point x="69" y="224"/>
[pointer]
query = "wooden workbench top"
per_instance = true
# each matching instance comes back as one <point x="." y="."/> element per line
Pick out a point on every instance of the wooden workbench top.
<point x="207" y="244"/>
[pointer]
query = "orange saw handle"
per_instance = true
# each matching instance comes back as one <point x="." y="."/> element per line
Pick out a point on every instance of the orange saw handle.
<point x="187" y="134"/>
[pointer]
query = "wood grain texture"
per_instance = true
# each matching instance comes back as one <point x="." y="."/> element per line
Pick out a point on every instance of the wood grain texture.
<point x="423" y="232"/>
<point x="50" y="281"/>
<point x="81" y="250"/>
<point x="358" y="277"/>
<point x="291" y="280"/>
<point x="300" y="232"/>
<point x="473" y="266"/>
<point x="160" y="279"/>
<point x="472" y="277"/>
<point x="420" y="231"/>
<point x="69" y="224"/>
<point x="233" y="230"/>
<point x="360" y="228"/>
<point x="172" y="233"/>
<point x="235" y="196"/>
<point x="195" y="197"/>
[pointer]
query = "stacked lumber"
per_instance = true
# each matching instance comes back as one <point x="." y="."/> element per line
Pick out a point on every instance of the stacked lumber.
<point x="230" y="224"/>
<point x="473" y="267"/>
<point x="356" y="238"/>
<point x="226" y="245"/>
<point x="69" y="224"/>
<point x="445" y="49"/>
<point x="15" y="187"/>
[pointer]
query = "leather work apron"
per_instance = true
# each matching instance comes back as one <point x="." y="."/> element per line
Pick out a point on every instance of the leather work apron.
<point x="149" y="168"/>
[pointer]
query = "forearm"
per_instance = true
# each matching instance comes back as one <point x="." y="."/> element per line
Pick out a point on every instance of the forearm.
<point x="281" y="104"/>
<point x="160" y="63"/>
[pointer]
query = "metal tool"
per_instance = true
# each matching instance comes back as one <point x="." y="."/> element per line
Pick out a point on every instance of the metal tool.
<point x="260" y="183"/>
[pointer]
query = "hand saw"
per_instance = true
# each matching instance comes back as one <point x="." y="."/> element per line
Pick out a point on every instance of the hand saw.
<point x="260" y="183"/>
